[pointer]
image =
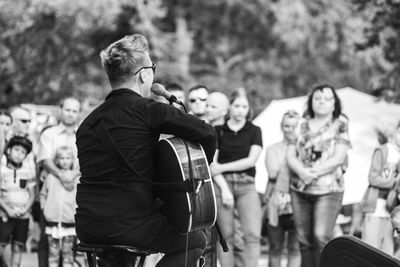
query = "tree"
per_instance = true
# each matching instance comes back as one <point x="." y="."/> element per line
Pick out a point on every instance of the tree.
<point x="47" y="48"/>
<point x="381" y="43"/>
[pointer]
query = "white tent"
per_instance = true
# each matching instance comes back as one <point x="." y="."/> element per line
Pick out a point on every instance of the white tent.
<point x="365" y="115"/>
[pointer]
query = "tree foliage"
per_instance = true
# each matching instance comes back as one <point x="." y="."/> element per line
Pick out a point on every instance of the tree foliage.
<point x="381" y="40"/>
<point x="273" y="48"/>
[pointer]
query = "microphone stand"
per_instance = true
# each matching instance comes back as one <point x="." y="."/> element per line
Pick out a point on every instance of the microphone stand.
<point x="222" y="240"/>
<point x="173" y="100"/>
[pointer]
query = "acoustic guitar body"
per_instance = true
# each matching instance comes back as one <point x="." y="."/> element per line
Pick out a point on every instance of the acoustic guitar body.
<point x="179" y="160"/>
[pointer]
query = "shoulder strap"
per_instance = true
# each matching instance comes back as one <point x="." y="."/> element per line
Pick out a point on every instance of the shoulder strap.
<point x="385" y="152"/>
<point x="108" y="142"/>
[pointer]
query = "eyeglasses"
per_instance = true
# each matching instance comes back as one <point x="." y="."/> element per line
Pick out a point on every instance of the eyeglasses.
<point x="153" y="67"/>
<point x="192" y="100"/>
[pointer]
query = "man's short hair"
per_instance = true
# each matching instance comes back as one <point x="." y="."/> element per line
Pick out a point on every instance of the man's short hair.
<point x="173" y="87"/>
<point x="16" y="107"/>
<point x="62" y="101"/>
<point x="122" y="58"/>
<point x="197" y="87"/>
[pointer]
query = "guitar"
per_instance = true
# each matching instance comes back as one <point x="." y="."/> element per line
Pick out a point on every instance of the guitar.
<point x="181" y="160"/>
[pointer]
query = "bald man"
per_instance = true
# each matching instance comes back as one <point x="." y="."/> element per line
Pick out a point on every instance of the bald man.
<point x="217" y="106"/>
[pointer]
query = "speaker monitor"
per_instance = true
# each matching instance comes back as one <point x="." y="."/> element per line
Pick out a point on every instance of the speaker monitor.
<point x="349" y="251"/>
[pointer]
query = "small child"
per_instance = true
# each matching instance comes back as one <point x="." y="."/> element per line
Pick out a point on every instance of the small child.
<point x="17" y="195"/>
<point x="58" y="206"/>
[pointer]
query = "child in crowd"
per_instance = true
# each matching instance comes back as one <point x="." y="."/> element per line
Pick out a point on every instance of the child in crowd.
<point x="58" y="206"/>
<point x="17" y="195"/>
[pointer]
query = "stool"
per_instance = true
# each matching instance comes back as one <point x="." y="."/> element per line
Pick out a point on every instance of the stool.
<point x="114" y="255"/>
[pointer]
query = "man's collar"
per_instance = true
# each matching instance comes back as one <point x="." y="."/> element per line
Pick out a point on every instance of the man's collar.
<point x="121" y="91"/>
<point x="245" y="126"/>
<point x="63" y="128"/>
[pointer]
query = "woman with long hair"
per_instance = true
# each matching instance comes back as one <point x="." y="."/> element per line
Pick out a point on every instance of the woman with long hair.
<point x="239" y="146"/>
<point x="317" y="160"/>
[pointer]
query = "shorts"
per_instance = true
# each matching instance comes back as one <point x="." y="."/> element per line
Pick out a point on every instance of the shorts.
<point x="14" y="231"/>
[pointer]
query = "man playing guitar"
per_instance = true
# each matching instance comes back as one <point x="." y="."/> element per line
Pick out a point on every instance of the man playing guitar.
<point x="115" y="205"/>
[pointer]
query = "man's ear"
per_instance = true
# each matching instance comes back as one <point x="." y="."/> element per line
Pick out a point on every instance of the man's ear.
<point x="143" y="76"/>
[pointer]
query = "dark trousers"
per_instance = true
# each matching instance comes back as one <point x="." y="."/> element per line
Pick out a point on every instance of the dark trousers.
<point x="180" y="250"/>
<point x="43" y="246"/>
<point x="157" y="235"/>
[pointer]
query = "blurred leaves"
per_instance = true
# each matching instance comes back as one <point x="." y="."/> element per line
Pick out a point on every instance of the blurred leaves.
<point x="274" y="48"/>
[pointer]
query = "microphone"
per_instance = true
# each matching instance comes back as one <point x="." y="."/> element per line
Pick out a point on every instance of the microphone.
<point x="160" y="90"/>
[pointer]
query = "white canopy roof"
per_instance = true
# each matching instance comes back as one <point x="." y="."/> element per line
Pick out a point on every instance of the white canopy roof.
<point x="365" y="115"/>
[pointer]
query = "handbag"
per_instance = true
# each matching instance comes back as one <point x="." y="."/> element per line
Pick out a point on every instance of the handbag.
<point x="392" y="200"/>
<point x="395" y="218"/>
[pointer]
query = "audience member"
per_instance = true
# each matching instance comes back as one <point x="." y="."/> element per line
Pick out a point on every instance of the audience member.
<point x="197" y="97"/>
<point x="17" y="196"/>
<point x="378" y="230"/>
<point x="5" y="122"/>
<point x="2" y="141"/>
<point x="62" y="134"/>
<point x="277" y="197"/>
<point x="317" y="159"/>
<point x="239" y="146"/>
<point x="217" y="107"/>
<point x="21" y="119"/>
<point x="58" y="205"/>
<point x="5" y="127"/>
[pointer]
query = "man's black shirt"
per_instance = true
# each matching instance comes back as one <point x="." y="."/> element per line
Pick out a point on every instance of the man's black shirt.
<point x="110" y="199"/>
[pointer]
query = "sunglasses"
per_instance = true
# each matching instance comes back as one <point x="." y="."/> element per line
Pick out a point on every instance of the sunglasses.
<point x="192" y="100"/>
<point x="153" y="67"/>
<point x="24" y="120"/>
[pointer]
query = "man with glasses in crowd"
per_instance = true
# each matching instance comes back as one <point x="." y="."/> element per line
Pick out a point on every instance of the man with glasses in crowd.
<point x="21" y="119"/>
<point x="116" y="203"/>
<point x="197" y="97"/>
<point x="21" y="122"/>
